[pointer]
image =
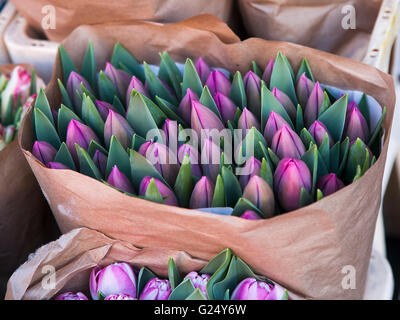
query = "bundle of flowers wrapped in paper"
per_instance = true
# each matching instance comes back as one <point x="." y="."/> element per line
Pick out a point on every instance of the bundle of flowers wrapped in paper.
<point x="263" y="143"/>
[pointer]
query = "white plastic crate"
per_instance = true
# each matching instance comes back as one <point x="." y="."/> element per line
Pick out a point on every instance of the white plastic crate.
<point x="7" y="13"/>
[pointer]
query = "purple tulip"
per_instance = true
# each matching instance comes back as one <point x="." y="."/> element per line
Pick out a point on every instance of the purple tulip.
<point x="318" y="132"/>
<point x="250" y="215"/>
<point x="120" y="296"/>
<point x="251" y="289"/>
<point x="203" y="70"/>
<point x="202" y="194"/>
<point x="73" y="85"/>
<point x="104" y="108"/>
<point x="251" y="168"/>
<point x="113" y="279"/>
<point x="210" y="159"/>
<point x="116" y="125"/>
<point x="57" y="165"/>
<point x="314" y="104"/>
<point x="246" y="121"/>
<point x="304" y="87"/>
<point x="274" y="124"/>
<point x="287" y="144"/>
<point x="290" y="176"/>
<point x="118" y="180"/>
<point x="204" y="118"/>
<point x="138" y="86"/>
<point x="252" y="87"/>
<point x="268" y="72"/>
<point x="199" y="281"/>
<point x="218" y="82"/>
<point x="329" y="184"/>
<point x="355" y="125"/>
<point x="156" y="289"/>
<point x="119" y="78"/>
<point x="286" y="103"/>
<point x="162" y="158"/>
<point x="185" y="106"/>
<point x="166" y="193"/>
<point x="71" y="296"/>
<point x="100" y="160"/>
<point x="81" y="134"/>
<point x="44" y="151"/>
<point x="259" y="193"/>
<point x="194" y="156"/>
<point x="226" y="107"/>
<point x="171" y="132"/>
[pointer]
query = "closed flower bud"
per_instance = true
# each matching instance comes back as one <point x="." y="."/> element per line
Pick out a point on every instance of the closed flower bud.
<point x="120" y="296"/>
<point x="116" y="125"/>
<point x="247" y="120"/>
<point x="329" y="184"/>
<point x="203" y="118"/>
<point x="251" y="168"/>
<point x="100" y="160"/>
<point x="203" y="70"/>
<point x="202" y="194"/>
<point x="252" y="87"/>
<point x="355" y="125"/>
<point x="185" y="106"/>
<point x="318" y="132"/>
<point x="73" y="85"/>
<point x="268" y="72"/>
<point x="274" y="124"/>
<point x="71" y="296"/>
<point x="199" y="281"/>
<point x="251" y="289"/>
<point x="304" y="87"/>
<point x="168" y="196"/>
<point x="314" y="104"/>
<point x="156" y="289"/>
<point x="104" y="108"/>
<point x="210" y="159"/>
<point x="226" y="107"/>
<point x="218" y="82"/>
<point x="286" y="103"/>
<point x="44" y="151"/>
<point x="287" y="144"/>
<point x="119" y="78"/>
<point x="138" y="86"/>
<point x="193" y="153"/>
<point x="250" y="215"/>
<point x="57" y="165"/>
<point x="118" y="180"/>
<point x="259" y="193"/>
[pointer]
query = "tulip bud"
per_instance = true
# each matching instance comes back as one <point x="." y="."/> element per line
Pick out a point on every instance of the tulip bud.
<point x="193" y="153"/>
<point x="171" y="132"/>
<point x="204" y="118"/>
<point x="116" y="125"/>
<point x="74" y="85"/>
<point x="314" y="104"/>
<point x="81" y="134"/>
<point x="71" y="296"/>
<point x="251" y="168"/>
<point x="44" y="151"/>
<point x="202" y="194"/>
<point x="287" y="144"/>
<point x="226" y="107"/>
<point x="104" y="108"/>
<point x="259" y="193"/>
<point x="28" y="103"/>
<point x="100" y="160"/>
<point x="268" y="72"/>
<point x="156" y="289"/>
<point x="166" y="193"/>
<point x="286" y="103"/>
<point x="120" y="296"/>
<point x="329" y="184"/>
<point x="113" y="279"/>
<point x="290" y="176"/>
<point x="218" y="82"/>
<point x="138" y="86"/>
<point x="251" y="289"/>
<point x="355" y="125"/>
<point x="163" y="159"/>
<point x="9" y="134"/>
<point x="210" y="159"/>
<point x="199" y="281"/>
<point x="318" y="132"/>
<point x="250" y="215"/>
<point x="118" y="180"/>
<point x="303" y="89"/>
<point x="247" y="120"/>
<point x="274" y="124"/>
<point x="203" y="70"/>
<point x="252" y="86"/>
<point x="119" y="78"/>
<point x="185" y="106"/>
<point x="57" y="165"/>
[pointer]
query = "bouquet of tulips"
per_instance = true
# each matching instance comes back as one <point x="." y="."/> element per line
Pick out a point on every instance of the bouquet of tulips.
<point x="262" y="143"/>
<point x="225" y="277"/>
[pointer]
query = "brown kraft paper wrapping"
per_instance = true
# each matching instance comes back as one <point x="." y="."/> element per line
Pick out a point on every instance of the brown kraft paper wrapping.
<point x="76" y="253"/>
<point x="304" y="250"/>
<point x="73" y="13"/>
<point x="25" y="218"/>
<point x="313" y="23"/>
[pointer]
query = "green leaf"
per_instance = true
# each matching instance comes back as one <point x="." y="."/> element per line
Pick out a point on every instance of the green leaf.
<point x="158" y="115"/>
<point x="299" y="119"/>
<point x="64" y="156"/>
<point x="43" y="104"/>
<point x="197" y="294"/>
<point x="251" y="146"/>
<point x="33" y="86"/>
<point x="93" y="146"/>
<point x="238" y="93"/>
<point x="121" y="55"/>
<point x="92" y="117"/>
<point x="355" y="159"/>
<point x="170" y="73"/>
<point x="183" y="290"/>
<point x="305" y="68"/>
<point x="305" y="198"/>
<point x="64" y="95"/>
<point x="119" y="157"/>
<point x="363" y="107"/>
<point x="145" y="275"/>
<point x="334" y="158"/>
<point x="169" y="110"/>
<point x="344" y="152"/>
<point x="184" y="183"/>
<point x="326" y="103"/>
<point x="152" y="192"/>
<point x="86" y="164"/>
<point x="219" y="193"/>
<point x="7" y="116"/>
<point x="233" y="191"/>
<point x="358" y="174"/>
<point x="324" y="150"/>
<point x="256" y="69"/>
<point x="191" y="79"/>
<point x="173" y="274"/>
<point x="44" y="129"/>
<point x="320" y="195"/>
<point x="137" y="141"/>
<point x="65" y="115"/>
<point x="310" y="157"/>
<point x="156" y="87"/>
<point x="378" y="127"/>
<point x="274" y="158"/>
<point x="88" y="70"/>
<point x="66" y="63"/>
<point x="266" y="172"/>
<point x="117" y="104"/>
<point x="107" y="89"/>
<point x="207" y="100"/>
<point x="334" y="117"/>
<point x="243" y="205"/>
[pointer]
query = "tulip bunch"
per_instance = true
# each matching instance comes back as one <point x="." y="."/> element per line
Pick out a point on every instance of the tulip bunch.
<point x="226" y="277"/>
<point x="294" y="141"/>
<point x="17" y="92"/>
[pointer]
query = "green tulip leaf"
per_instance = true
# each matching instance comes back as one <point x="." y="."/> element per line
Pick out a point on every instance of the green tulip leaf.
<point x="299" y="119"/>
<point x="92" y="117"/>
<point x="137" y="141"/>
<point x="86" y="164"/>
<point x="65" y="115"/>
<point x="184" y="183"/>
<point x="326" y="103"/>
<point x="305" y="198"/>
<point x="33" y="86"/>
<point x="191" y="79"/>
<point x="121" y="56"/>
<point x="197" y="294"/>
<point x="238" y="93"/>
<point x="169" y="110"/>
<point x="44" y="129"/>
<point x="377" y="129"/>
<point x="119" y="157"/>
<point x="173" y="274"/>
<point x="88" y="70"/>
<point x="273" y="157"/>
<point x="152" y="193"/>
<point x="207" y="100"/>
<point x="334" y="117"/>
<point x="107" y="89"/>
<point x="145" y="275"/>
<point x="43" y="104"/>
<point x="233" y="191"/>
<point x="64" y="156"/>
<point x="93" y="146"/>
<point x="256" y="69"/>
<point x="334" y="158"/>
<point x="219" y="194"/>
<point x="266" y="172"/>
<point x="310" y="157"/>
<point x="170" y="73"/>
<point x="324" y="150"/>
<point x="183" y="290"/>
<point x="243" y="205"/>
<point x="320" y="195"/>
<point x="66" y="63"/>
<point x="156" y="87"/>
<point x="363" y="107"/>
<point x="64" y="95"/>
<point x="305" y="68"/>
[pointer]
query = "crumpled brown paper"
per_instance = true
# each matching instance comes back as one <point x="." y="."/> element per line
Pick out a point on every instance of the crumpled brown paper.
<point x="74" y="255"/>
<point x="73" y="13"/>
<point x="304" y="250"/>
<point x="26" y="221"/>
<point x="313" y="23"/>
